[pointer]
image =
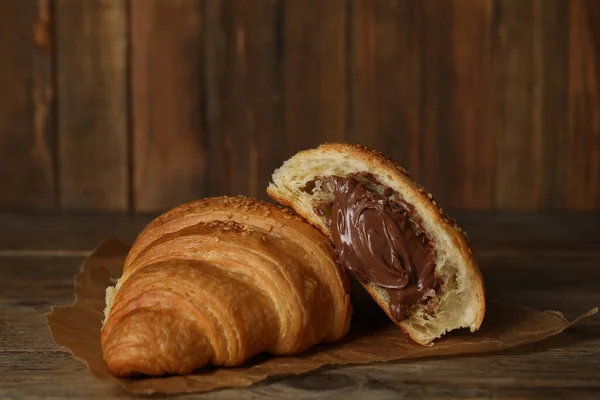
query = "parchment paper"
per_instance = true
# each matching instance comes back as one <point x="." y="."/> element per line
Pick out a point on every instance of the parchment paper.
<point x="372" y="337"/>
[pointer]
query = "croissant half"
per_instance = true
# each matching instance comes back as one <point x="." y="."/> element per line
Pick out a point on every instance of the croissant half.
<point x="217" y="281"/>
<point x="416" y="262"/>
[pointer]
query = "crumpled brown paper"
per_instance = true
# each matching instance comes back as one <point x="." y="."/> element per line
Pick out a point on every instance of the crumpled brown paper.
<point x="371" y="339"/>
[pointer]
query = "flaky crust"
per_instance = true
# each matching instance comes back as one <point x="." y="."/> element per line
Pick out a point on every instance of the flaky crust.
<point x="398" y="179"/>
<point x="216" y="281"/>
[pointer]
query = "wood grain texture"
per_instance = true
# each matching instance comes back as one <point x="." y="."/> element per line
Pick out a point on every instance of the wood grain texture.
<point x="387" y="77"/>
<point x="552" y="118"/>
<point x="531" y="68"/>
<point x="27" y="132"/>
<point x="515" y="29"/>
<point x="168" y="102"/>
<point x="245" y="90"/>
<point x="315" y="68"/>
<point x="31" y="365"/>
<point x="54" y="281"/>
<point x="66" y="235"/>
<point x="473" y="122"/>
<point x="483" y="85"/>
<point x="582" y="150"/>
<point x="490" y="104"/>
<point x="91" y="70"/>
<point x="437" y="157"/>
<point x="424" y="93"/>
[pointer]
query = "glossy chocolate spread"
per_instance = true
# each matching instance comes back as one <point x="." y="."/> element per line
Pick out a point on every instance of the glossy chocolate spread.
<point x="382" y="243"/>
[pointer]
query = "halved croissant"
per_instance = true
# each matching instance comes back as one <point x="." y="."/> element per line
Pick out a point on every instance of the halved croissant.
<point x="408" y="240"/>
<point x="216" y="281"/>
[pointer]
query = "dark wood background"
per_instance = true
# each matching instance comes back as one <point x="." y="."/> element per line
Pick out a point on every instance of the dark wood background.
<point x="139" y="105"/>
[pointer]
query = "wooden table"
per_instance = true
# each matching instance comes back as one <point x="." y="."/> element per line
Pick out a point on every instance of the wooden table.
<point x="540" y="261"/>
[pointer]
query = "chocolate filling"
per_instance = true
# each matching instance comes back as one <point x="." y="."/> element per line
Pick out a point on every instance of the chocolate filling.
<point x="381" y="241"/>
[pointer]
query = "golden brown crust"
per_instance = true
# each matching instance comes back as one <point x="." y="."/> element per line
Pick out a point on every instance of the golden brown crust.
<point x="421" y="199"/>
<point x="219" y="280"/>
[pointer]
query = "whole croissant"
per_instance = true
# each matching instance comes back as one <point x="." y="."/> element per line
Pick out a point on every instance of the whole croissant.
<point x="217" y="281"/>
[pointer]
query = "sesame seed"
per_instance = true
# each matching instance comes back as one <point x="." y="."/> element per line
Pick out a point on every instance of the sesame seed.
<point x="245" y="217"/>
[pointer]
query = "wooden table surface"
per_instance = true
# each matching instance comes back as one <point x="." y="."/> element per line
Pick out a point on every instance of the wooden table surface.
<point x="540" y="261"/>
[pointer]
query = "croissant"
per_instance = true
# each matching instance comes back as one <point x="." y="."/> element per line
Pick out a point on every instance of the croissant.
<point x="217" y="281"/>
<point x="416" y="262"/>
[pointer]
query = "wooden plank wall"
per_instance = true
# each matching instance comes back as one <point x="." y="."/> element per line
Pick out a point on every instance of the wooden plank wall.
<point x="139" y="105"/>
